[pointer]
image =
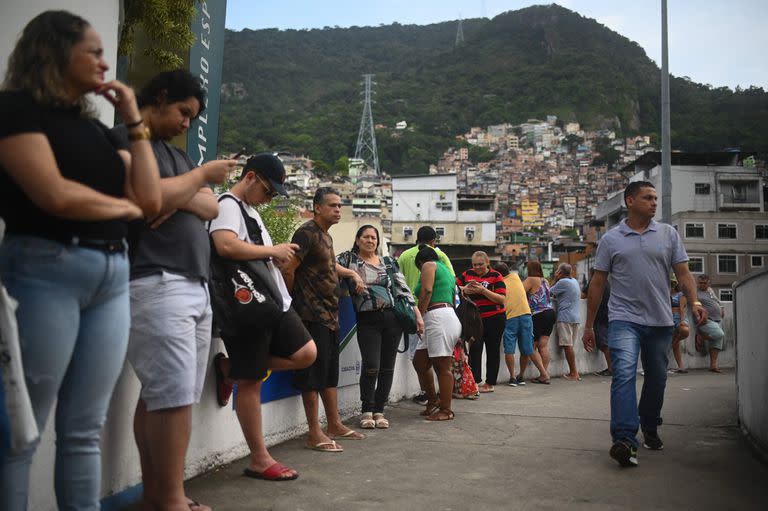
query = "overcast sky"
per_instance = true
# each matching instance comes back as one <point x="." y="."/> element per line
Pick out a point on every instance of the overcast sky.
<point x="711" y="41"/>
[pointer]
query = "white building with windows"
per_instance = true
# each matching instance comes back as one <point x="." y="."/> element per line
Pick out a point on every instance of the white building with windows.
<point x="464" y="223"/>
<point x="719" y="206"/>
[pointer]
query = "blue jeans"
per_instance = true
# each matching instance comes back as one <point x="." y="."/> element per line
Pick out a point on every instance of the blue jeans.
<point x="627" y="341"/>
<point x="73" y="321"/>
<point x="519" y="330"/>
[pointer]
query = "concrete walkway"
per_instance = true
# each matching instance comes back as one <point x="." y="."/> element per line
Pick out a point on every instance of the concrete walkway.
<point x="536" y="447"/>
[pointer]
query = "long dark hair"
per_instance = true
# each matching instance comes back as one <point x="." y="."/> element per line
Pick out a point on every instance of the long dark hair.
<point x="360" y="232"/>
<point x="171" y="87"/>
<point x="41" y="56"/>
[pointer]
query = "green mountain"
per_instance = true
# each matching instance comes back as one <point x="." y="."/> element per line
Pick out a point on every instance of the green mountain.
<point x="299" y="90"/>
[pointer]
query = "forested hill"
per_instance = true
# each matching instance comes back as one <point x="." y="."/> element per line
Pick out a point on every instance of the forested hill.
<point x="299" y="90"/>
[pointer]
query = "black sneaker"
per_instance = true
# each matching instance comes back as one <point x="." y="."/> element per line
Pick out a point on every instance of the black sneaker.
<point x="604" y="372"/>
<point x="512" y="382"/>
<point x="420" y="398"/>
<point x="520" y="380"/>
<point x="623" y="452"/>
<point x="652" y="441"/>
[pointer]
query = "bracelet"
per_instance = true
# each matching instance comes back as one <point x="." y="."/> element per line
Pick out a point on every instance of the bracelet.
<point x="130" y="125"/>
<point x="135" y="136"/>
<point x="697" y="303"/>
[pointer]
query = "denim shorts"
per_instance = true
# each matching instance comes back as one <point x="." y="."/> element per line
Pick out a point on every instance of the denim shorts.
<point x="519" y="331"/>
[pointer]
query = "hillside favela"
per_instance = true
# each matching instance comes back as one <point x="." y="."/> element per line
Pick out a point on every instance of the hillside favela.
<point x="417" y="255"/>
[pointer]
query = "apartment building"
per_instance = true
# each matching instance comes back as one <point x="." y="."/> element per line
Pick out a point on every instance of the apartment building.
<point x="719" y="206"/>
<point x="464" y="222"/>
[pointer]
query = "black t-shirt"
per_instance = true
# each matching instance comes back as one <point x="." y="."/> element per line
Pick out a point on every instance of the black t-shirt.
<point x="180" y="244"/>
<point x="85" y="152"/>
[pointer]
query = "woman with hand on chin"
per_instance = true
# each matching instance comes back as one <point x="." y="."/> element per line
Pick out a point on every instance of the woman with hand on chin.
<point x="66" y="193"/>
<point x="378" y="332"/>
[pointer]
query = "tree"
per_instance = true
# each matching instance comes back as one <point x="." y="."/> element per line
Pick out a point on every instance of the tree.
<point x="479" y="154"/>
<point x="341" y="167"/>
<point x="281" y="218"/>
<point x="167" y="24"/>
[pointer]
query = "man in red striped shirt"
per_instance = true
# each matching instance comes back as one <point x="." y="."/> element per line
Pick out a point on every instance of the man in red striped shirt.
<point x="486" y="288"/>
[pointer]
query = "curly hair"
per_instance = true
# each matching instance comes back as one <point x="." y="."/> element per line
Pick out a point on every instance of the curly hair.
<point x="39" y="61"/>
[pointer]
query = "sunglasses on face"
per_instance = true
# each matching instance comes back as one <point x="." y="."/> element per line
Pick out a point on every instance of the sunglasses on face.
<point x="267" y="189"/>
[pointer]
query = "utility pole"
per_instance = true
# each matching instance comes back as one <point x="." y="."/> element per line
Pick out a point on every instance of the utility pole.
<point x="666" y="154"/>
<point x="366" y="137"/>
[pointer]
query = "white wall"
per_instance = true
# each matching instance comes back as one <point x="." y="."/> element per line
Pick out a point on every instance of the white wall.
<point x="410" y="206"/>
<point x="752" y="357"/>
<point x="102" y="15"/>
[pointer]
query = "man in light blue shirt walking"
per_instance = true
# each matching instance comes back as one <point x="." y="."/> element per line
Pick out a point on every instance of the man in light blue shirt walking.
<point x="639" y="254"/>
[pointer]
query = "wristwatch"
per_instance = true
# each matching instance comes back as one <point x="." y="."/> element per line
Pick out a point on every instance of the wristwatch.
<point x="697" y="303"/>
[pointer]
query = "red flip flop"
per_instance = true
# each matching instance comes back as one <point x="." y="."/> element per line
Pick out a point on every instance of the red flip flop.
<point x="273" y="473"/>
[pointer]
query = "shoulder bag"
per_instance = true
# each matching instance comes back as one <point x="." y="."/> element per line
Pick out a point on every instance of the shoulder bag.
<point x="243" y="293"/>
<point x="404" y="312"/>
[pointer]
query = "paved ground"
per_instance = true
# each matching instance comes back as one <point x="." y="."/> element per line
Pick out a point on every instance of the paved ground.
<point x="527" y="448"/>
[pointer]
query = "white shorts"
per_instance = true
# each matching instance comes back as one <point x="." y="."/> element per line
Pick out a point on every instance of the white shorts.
<point x="442" y="330"/>
<point x="415" y="342"/>
<point x="170" y="338"/>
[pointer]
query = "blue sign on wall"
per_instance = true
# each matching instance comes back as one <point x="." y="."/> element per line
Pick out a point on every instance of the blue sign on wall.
<point x="206" y="61"/>
<point x="279" y="384"/>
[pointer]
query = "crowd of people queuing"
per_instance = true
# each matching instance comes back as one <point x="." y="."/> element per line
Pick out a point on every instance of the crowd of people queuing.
<point x="78" y="197"/>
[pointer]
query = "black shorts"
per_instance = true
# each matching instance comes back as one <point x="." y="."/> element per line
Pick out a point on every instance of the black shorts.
<point x="324" y="372"/>
<point x="601" y="334"/>
<point x="543" y="323"/>
<point x="249" y="353"/>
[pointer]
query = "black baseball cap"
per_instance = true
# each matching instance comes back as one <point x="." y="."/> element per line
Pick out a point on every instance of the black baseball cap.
<point x="269" y="166"/>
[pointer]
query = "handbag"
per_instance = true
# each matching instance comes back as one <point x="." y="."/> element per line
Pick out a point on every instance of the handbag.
<point x="404" y="312"/>
<point x="243" y="293"/>
<point x="471" y="322"/>
<point x="17" y="414"/>
<point x="464" y="384"/>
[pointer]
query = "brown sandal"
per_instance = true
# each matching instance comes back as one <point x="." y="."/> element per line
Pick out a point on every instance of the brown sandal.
<point x="430" y="409"/>
<point x="443" y="414"/>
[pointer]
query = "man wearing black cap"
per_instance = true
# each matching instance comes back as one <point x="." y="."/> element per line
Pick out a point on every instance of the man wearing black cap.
<point x="251" y="354"/>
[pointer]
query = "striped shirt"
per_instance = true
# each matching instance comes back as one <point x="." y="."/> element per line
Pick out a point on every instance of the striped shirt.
<point x="491" y="280"/>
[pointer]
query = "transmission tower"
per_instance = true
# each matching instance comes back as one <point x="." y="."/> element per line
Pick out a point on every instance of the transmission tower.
<point x="459" y="35"/>
<point x="366" y="138"/>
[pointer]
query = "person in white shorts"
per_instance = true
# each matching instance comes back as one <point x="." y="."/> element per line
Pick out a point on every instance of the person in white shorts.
<point x="442" y="330"/>
<point x="171" y="315"/>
